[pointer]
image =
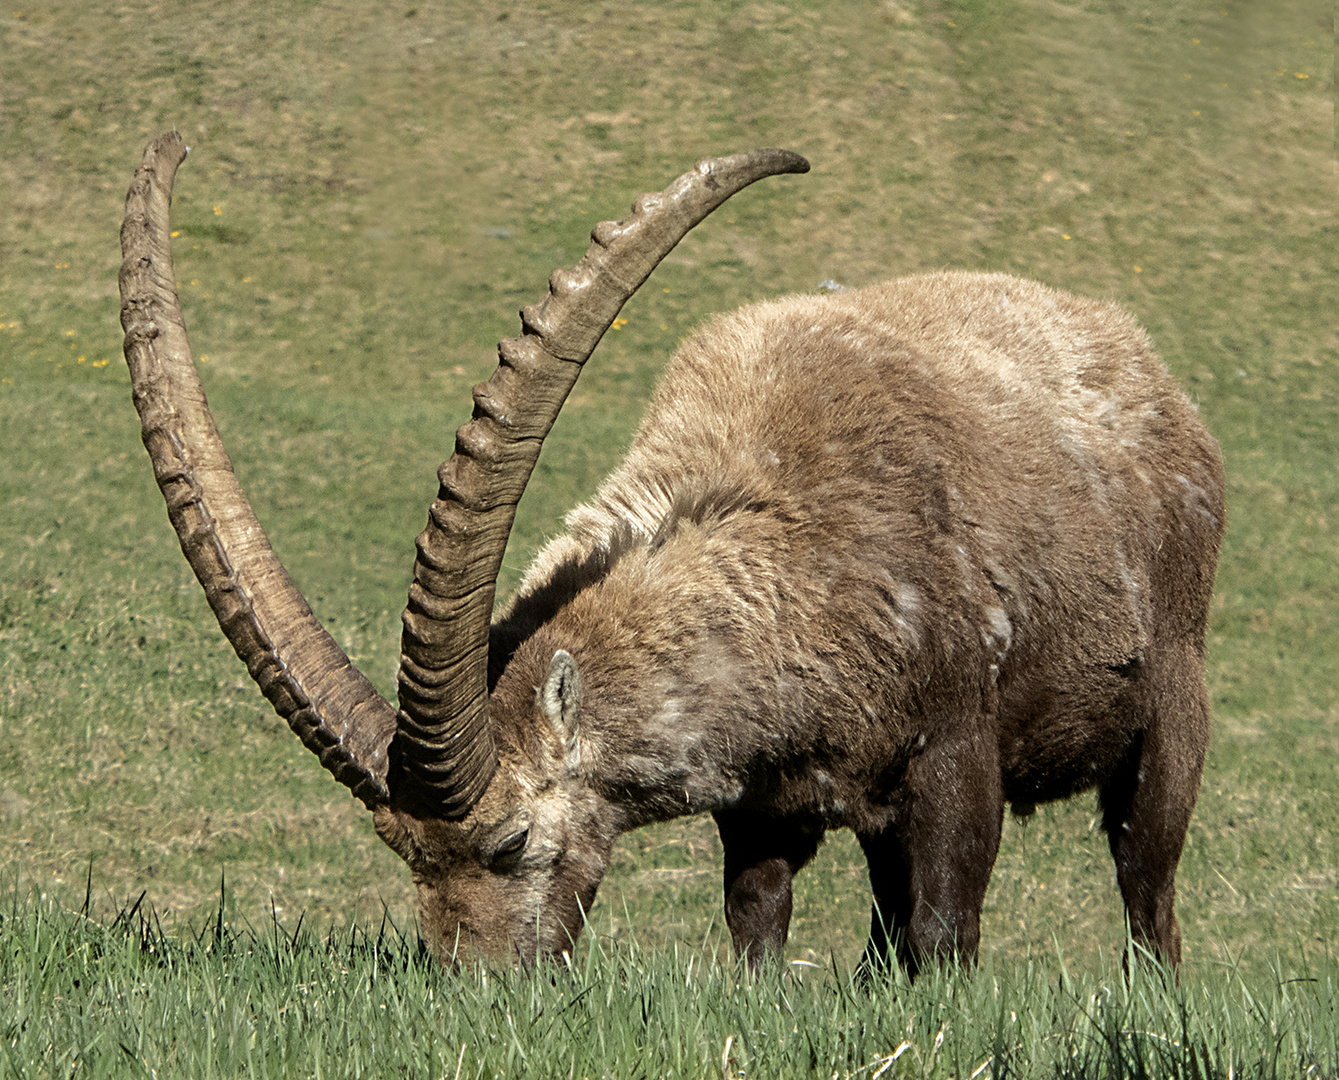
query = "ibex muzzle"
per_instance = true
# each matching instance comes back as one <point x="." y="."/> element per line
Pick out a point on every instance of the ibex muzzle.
<point x="883" y="560"/>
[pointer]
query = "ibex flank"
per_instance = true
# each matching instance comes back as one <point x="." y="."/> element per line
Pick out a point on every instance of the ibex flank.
<point x="883" y="560"/>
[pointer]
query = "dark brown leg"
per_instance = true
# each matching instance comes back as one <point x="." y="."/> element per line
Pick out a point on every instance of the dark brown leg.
<point x="890" y="916"/>
<point x="929" y="870"/>
<point x="1147" y="803"/>
<point x="762" y="855"/>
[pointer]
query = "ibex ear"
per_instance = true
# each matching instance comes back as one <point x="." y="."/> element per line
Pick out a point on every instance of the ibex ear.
<point x="560" y="698"/>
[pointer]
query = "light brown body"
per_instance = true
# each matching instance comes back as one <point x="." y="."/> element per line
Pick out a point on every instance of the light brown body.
<point x="879" y="560"/>
<point x="882" y="560"/>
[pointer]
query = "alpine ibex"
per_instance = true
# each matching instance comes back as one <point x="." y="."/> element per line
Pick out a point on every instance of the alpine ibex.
<point x="881" y="560"/>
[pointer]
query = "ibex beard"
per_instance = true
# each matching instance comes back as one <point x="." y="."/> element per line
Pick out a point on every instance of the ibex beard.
<point x="886" y="560"/>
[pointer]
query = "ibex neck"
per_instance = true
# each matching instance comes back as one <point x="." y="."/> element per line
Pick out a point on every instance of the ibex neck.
<point x="686" y="689"/>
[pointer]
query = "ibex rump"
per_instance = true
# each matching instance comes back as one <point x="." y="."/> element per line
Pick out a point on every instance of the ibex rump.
<point x="881" y="560"/>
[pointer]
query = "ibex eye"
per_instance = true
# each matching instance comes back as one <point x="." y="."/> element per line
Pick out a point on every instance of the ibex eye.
<point x="512" y="844"/>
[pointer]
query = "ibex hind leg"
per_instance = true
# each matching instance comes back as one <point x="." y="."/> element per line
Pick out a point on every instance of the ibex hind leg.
<point x="1147" y="802"/>
<point x="929" y="870"/>
<point x="762" y="856"/>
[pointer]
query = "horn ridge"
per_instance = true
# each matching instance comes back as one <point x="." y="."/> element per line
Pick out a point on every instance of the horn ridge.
<point x="305" y="675"/>
<point x="448" y="760"/>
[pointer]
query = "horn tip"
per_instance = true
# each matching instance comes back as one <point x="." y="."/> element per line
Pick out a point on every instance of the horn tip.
<point x="788" y="161"/>
<point x="765" y="161"/>
<point x="170" y="145"/>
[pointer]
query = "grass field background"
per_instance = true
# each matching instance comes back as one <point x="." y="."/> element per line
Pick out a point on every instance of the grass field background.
<point x="372" y="193"/>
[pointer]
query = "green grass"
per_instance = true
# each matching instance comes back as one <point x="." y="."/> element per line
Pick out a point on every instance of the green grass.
<point x="374" y="191"/>
<point x="123" y="998"/>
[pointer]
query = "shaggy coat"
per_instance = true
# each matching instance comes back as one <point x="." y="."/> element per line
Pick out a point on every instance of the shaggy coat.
<point x="880" y="560"/>
<point x="884" y="560"/>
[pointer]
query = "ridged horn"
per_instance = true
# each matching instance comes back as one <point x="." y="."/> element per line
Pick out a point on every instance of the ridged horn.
<point x="444" y="747"/>
<point x="305" y="675"/>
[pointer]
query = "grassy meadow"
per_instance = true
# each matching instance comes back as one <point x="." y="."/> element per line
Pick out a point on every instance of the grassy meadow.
<point x="372" y="193"/>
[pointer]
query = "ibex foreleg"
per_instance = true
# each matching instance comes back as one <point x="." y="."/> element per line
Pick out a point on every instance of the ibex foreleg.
<point x="929" y="870"/>
<point x="762" y="856"/>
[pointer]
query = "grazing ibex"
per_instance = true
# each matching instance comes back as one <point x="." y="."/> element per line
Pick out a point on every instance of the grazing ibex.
<point x="881" y="560"/>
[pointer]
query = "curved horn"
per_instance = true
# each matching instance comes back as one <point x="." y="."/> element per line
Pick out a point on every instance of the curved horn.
<point x="444" y="746"/>
<point x="299" y="667"/>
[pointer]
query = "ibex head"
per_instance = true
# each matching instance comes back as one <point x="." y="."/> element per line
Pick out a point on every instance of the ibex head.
<point x="517" y="872"/>
<point x="478" y="792"/>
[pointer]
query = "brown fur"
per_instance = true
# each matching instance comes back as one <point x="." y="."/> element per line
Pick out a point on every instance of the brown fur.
<point x="882" y="560"/>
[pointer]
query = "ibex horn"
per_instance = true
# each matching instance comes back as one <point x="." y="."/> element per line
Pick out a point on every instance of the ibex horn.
<point x="444" y="745"/>
<point x="299" y="667"/>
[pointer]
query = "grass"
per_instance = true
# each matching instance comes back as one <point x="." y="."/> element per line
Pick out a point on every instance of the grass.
<point x="124" y="998"/>
<point x="372" y="193"/>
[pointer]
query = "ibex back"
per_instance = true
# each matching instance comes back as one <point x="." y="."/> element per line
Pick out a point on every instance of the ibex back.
<point x="882" y="560"/>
